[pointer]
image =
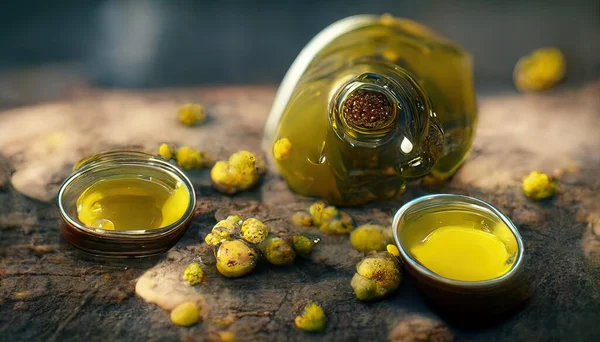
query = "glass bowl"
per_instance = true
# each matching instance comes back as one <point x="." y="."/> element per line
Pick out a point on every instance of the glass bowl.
<point x="125" y="243"/>
<point x="492" y="296"/>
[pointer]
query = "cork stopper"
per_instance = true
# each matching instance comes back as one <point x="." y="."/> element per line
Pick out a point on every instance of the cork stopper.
<point x="368" y="109"/>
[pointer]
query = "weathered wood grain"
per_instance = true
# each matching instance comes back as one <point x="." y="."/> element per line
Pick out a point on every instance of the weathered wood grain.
<point x="49" y="291"/>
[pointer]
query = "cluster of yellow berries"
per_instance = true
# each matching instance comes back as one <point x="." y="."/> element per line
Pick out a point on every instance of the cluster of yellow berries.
<point x="187" y="157"/>
<point x="241" y="172"/>
<point x="327" y="217"/>
<point x="239" y="244"/>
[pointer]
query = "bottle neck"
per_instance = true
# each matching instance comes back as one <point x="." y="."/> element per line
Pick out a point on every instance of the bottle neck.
<point x="375" y="110"/>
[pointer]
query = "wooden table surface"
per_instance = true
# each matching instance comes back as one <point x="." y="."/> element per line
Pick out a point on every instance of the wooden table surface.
<point x="50" y="291"/>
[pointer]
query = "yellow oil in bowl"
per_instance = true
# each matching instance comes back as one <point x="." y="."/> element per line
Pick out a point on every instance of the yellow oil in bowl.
<point x="461" y="245"/>
<point x="458" y="243"/>
<point x="464" y="254"/>
<point x="125" y="204"/>
<point x="131" y="203"/>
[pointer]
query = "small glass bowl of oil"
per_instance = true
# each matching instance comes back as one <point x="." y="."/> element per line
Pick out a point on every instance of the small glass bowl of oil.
<point x="465" y="254"/>
<point x="125" y="204"/>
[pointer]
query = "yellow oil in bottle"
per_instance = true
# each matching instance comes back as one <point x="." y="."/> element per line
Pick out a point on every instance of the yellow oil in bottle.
<point x="459" y="244"/>
<point x="401" y="65"/>
<point x="132" y="203"/>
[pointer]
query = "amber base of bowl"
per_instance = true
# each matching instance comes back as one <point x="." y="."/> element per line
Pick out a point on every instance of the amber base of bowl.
<point x="137" y="246"/>
<point x="475" y="303"/>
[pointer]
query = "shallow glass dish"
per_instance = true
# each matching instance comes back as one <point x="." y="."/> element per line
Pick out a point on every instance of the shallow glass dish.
<point x="121" y="243"/>
<point x="491" y="296"/>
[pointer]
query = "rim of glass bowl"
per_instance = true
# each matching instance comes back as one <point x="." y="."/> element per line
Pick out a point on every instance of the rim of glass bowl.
<point x="126" y="158"/>
<point x="473" y="204"/>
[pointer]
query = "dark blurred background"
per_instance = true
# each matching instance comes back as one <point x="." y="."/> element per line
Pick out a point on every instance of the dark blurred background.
<point x="162" y="43"/>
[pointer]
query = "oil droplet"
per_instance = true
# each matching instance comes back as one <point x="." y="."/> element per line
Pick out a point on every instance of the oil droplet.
<point x="314" y="238"/>
<point x="104" y="224"/>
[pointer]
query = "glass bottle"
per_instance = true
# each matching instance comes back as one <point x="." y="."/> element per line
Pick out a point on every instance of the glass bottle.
<point x="369" y="104"/>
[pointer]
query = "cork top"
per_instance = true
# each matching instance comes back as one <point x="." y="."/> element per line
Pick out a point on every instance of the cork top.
<point x="368" y="109"/>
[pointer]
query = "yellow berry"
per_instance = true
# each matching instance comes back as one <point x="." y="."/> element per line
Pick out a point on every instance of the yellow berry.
<point x="381" y="268"/>
<point x="376" y="276"/>
<point x="302" y="245"/>
<point x="316" y="211"/>
<point x="312" y="318"/>
<point x="301" y="219"/>
<point x="277" y="251"/>
<point x="538" y="185"/>
<point x="225" y="228"/>
<point x="244" y="164"/>
<point x="338" y="226"/>
<point x="244" y="160"/>
<point x="393" y="250"/>
<point x="166" y="151"/>
<point x="235" y="258"/>
<point x="222" y="178"/>
<point x="282" y="149"/>
<point x="189" y="158"/>
<point x="254" y="231"/>
<point x="213" y="239"/>
<point x="365" y="289"/>
<point x="236" y="219"/>
<point x="371" y="237"/>
<point x="329" y="213"/>
<point x="191" y="114"/>
<point x="185" y="314"/>
<point x="540" y="70"/>
<point x="227" y="336"/>
<point x="329" y="219"/>
<point x="193" y="274"/>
